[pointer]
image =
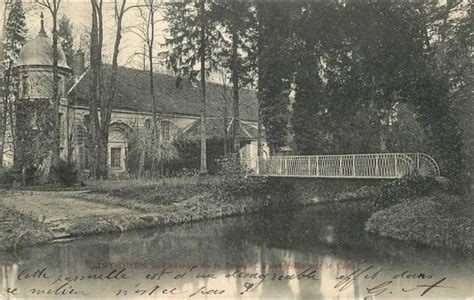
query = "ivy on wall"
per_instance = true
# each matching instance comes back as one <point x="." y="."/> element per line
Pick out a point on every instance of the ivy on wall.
<point x="34" y="138"/>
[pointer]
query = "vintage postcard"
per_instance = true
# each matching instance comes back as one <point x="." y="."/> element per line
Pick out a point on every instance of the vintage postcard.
<point x="206" y="149"/>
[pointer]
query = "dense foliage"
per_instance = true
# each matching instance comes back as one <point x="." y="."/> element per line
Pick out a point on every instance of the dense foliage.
<point x="33" y="137"/>
<point x="438" y="221"/>
<point x="66" y="172"/>
<point x="235" y="183"/>
<point x="14" y="37"/>
<point x="188" y="151"/>
<point x="66" y="39"/>
<point x="180" y="157"/>
<point x="410" y="186"/>
<point x="372" y="77"/>
<point x="274" y="71"/>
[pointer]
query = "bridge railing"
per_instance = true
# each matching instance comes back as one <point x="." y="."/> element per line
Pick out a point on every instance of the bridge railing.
<point x="380" y="165"/>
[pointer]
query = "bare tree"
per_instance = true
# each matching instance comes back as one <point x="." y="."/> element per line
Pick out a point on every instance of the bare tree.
<point x="53" y="7"/>
<point x="96" y="42"/>
<point x="149" y="13"/>
<point x="120" y="8"/>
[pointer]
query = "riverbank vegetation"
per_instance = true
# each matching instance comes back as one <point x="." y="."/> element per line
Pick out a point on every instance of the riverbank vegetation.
<point x="122" y="205"/>
<point x="423" y="210"/>
<point x="440" y="221"/>
<point x="20" y="230"/>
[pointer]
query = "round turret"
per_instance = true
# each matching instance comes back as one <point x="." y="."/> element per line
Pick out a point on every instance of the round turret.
<point x="35" y="66"/>
<point x="39" y="52"/>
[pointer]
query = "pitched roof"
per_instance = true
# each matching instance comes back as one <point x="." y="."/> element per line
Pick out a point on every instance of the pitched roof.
<point x="215" y="129"/>
<point x="133" y="93"/>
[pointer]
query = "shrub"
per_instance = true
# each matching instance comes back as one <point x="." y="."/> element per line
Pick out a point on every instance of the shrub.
<point x="235" y="183"/>
<point x="439" y="221"/>
<point x="7" y="177"/>
<point x="66" y="172"/>
<point x="16" y="176"/>
<point x="229" y="165"/>
<point x="408" y="186"/>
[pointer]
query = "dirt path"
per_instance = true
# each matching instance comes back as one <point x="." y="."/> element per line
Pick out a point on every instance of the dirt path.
<point x="53" y="206"/>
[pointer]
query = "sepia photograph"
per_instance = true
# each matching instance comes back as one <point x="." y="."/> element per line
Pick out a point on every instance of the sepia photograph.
<point x="236" y="149"/>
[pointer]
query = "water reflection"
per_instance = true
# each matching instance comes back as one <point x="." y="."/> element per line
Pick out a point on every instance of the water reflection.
<point x="284" y="244"/>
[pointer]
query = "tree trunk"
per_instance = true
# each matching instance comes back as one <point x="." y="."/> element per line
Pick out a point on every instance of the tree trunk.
<point x="225" y="128"/>
<point x="3" y="129"/>
<point x="235" y="95"/>
<point x="156" y="139"/>
<point x="106" y="109"/>
<point x="259" y="80"/>
<point x="55" y="153"/>
<point x="202" y="53"/>
<point x="95" y="57"/>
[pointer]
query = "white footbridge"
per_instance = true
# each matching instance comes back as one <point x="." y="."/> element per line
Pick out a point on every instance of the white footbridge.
<point x="376" y="165"/>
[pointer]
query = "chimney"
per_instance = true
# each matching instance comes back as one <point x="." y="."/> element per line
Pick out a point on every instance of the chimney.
<point x="78" y="63"/>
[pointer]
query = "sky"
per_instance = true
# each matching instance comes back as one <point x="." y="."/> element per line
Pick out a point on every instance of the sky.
<point x="79" y="12"/>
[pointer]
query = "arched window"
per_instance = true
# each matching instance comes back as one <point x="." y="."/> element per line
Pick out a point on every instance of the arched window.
<point x="87" y="122"/>
<point x="25" y="86"/>
<point x="147" y="124"/>
<point x="61" y="87"/>
<point x="116" y="157"/>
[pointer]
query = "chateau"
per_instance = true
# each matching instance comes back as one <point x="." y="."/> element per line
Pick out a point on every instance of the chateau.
<point x="178" y="101"/>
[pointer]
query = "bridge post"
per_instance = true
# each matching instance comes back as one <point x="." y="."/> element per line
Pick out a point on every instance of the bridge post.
<point x="286" y="166"/>
<point x="396" y="166"/>
<point x="317" y="166"/>
<point x="340" y="166"/>
<point x="281" y="166"/>
<point x="309" y="165"/>
<point x="354" y="165"/>
<point x="377" y="171"/>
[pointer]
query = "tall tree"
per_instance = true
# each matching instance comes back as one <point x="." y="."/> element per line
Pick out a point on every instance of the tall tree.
<point x="149" y="13"/>
<point x="15" y="34"/>
<point x="53" y="7"/>
<point x="96" y="42"/>
<point x="275" y="71"/>
<point x="310" y="114"/>
<point x="446" y="109"/>
<point x="192" y="39"/>
<point x="66" y="38"/>
<point x="363" y="61"/>
<point x="237" y="23"/>
<point x="120" y="8"/>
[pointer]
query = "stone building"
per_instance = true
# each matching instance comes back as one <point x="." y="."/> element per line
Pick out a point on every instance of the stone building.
<point x="178" y="100"/>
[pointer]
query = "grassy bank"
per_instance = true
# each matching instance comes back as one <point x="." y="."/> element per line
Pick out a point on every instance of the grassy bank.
<point x="419" y="210"/>
<point x="20" y="230"/>
<point x="171" y="202"/>
<point x="116" y="206"/>
<point x="195" y="209"/>
<point x="431" y="221"/>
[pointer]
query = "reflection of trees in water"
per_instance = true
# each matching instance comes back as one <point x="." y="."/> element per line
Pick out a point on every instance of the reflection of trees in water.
<point x="308" y="237"/>
<point x="8" y="275"/>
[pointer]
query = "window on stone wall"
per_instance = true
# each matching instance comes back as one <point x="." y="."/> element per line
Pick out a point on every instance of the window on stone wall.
<point x="25" y="86"/>
<point x="115" y="157"/>
<point x="165" y="129"/>
<point x="61" y="129"/>
<point x="87" y="122"/>
<point x="147" y="124"/>
<point x="61" y="87"/>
